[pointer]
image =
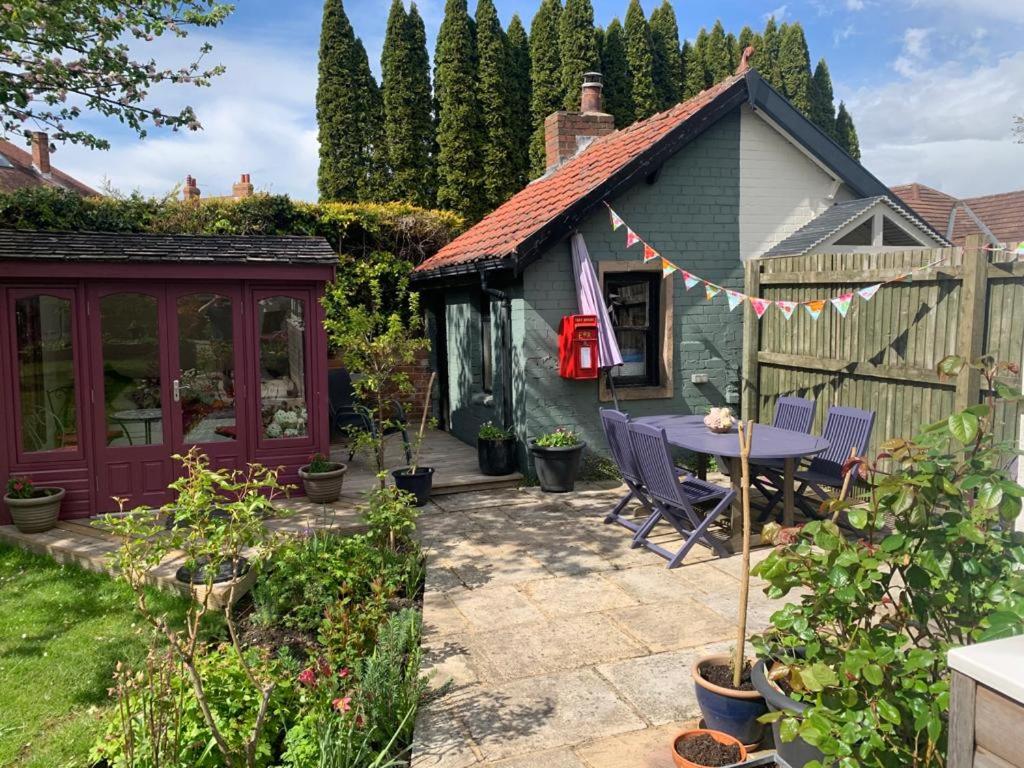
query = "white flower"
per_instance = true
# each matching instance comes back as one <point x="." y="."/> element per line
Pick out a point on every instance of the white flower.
<point x="291" y="433"/>
<point x="273" y="430"/>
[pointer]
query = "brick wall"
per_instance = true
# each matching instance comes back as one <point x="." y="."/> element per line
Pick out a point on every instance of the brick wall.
<point x="562" y="131"/>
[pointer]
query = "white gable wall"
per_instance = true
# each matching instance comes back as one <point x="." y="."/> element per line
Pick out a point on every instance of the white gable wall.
<point x="781" y="188"/>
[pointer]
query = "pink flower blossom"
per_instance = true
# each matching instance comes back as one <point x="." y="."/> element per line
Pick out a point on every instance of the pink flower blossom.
<point x="308" y="677"/>
<point x="342" y="704"/>
<point x="343" y="672"/>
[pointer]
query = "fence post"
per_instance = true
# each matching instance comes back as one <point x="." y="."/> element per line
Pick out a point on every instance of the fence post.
<point x="973" y="307"/>
<point x="749" y="376"/>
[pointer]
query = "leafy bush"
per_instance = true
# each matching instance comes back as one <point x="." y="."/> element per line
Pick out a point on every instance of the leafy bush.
<point x="937" y="565"/>
<point x="560" y="438"/>
<point x="491" y="431"/>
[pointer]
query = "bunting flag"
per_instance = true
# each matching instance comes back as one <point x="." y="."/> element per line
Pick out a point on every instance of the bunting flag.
<point x="735" y="299"/>
<point x="711" y="290"/>
<point x="786" y="308"/>
<point x="689" y="280"/>
<point x="869" y="293"/>
<point x="760" y="306"/>
<point x="1020" y="250"/>
<point x="650" y="254"/>
<point x="842" y="303"/>
<point x="631" y="238"/>
<point x="667" y="267"/>
<point x="814" y="307"/>
<point x="616" y="219"/>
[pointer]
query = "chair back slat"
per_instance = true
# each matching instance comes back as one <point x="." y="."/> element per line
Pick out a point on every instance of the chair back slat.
<point x="653" y="458"/>
<point x="616" y="432"/>
<point x="795" y="414"/>
<point x="844" y="428"/>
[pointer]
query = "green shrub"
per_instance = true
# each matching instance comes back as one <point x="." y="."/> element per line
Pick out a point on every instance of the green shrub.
<point x="560" y="438"/>
<point x="491" y="431"/>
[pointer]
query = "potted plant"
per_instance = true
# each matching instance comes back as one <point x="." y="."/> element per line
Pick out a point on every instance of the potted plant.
<point x="496" y="449"/>
<point x="322" y="478"/>
<point x="32" y="509"/>
<point x="414" y="479"/>
<point x="704" y="748"/>
<point x="557" y="456"/>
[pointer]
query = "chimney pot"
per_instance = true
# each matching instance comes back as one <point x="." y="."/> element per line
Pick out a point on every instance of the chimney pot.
<point x="191" y="190"/>
<point x="41" y="151"/>
<point x="590" y="101"/>
<point x="568" y="133"/>
<point x="243" y="187"/>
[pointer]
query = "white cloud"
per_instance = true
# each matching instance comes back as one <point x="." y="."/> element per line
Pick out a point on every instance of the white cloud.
<point x="779" y="13"/>
<point x="946" y="125"/>
<point x="855" y="5"/>
<point x="841" y="34"/>
<point x="1006" y="10"/>
<point x="915" y="51"/>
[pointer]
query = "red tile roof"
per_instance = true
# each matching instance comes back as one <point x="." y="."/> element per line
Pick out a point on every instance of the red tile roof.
<point x="22" y="174"/>
<point x="504" y="230"/>
<point x="1002" y="214"/>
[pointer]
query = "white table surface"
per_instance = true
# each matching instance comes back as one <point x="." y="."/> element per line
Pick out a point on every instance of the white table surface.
<point x="998" y="664"/>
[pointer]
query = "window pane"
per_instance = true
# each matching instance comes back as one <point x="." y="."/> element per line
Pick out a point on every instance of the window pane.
<point x="46" y="374"/>
<point x="132" y="394"/>
<point x="206" y="352"/>
<point x="282" y="327"/>
<point x="630" y="299"/>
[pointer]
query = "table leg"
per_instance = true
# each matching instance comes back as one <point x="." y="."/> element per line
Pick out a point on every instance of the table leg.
<point x="788" y="505"/>
<point x="149" y="432"/>
<point x="702" y="466"/>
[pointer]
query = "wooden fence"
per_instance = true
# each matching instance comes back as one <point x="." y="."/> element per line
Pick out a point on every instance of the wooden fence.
<point x="883" y="355"/>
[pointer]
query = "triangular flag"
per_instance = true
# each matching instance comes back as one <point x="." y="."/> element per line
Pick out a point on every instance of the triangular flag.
<point x="616" y="219"/>
<point x="711" y="290"/>
<point x="689" y="280"/>
<point x="814" y="307"/>
<point x="631" y="238"/>
<point x="842" y="303"/>
<point x="869" y="293"/>
<point x="667" y="267"/>
<point x="735" y="299"/>
<point x="1020" y="250"/>
<point x="760" y="306"/>
<point x="786" y="308"/>
<point x="649" y="253"/>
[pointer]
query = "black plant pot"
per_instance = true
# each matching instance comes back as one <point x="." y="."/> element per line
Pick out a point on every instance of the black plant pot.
<point x="557" y="468"/>
<point x="497" y="457"/>
<point x="418" y="483"/>
<point x="226" y="571"/>
<point x="798" y="752"/>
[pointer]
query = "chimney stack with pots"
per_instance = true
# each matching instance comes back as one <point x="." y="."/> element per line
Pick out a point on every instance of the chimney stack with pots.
<point x="191" y="189"/>
<point x="243" y="187"/>
<point x="41" y="151"/>
<point x="567" y="133"/>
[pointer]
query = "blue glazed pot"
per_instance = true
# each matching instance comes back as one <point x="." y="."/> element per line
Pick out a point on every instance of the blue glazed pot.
<point x="726" y="710"/>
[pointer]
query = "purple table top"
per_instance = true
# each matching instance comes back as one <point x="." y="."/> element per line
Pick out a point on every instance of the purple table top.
<point x="690" y="433"/>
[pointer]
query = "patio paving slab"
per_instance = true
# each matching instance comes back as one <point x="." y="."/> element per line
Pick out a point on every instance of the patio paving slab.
<point x="684" y="623"/>
<point x="495" y="607"/>
<point x="571" y="595"/>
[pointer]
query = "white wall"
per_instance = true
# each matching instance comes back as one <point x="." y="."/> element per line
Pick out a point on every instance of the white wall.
<point x="781" y="188"/>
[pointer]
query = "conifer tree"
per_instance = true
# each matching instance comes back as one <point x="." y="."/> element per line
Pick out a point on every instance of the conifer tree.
<point x="685" y="52"/>
<point x="640" y="62"/>
<point x="717" y="56"/>
<point x="599" y="43"/>
<point x="460" y="184"/>
<point x="493" y="92"/>
<point x="668" y="67"/>
<point x="408" y="122"/>
<point x="823" y="108"/>
<point x="846" y="133"/>
<point x="372" y="182"/>
<point x="734" y="51"/>
<point x="746" y="38"/>
<point x="766" y="60"/>
<point x="696" y="69"/>
<point x="618" y="100"/>
<point x="578" y="49"/>
<point x="341" y="109"/>
<point x="519" y="92"/>
<point x="545" y="76"/>
<point x="795" y="67"/>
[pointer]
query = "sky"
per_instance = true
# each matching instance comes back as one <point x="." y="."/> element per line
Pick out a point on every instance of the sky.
<point x="932" y="85"/>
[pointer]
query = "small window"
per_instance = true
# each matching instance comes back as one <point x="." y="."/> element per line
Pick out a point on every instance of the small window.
<point x="486" y="358"/>
<point x="860" y="235"/>
<point x="633" y="299"/>
<point x="893" y="234"/>
<point x="282" y="328"/>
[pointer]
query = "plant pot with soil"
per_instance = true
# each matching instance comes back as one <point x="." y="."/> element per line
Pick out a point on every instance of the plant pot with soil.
<point x="496" y="450"/>
<point x="414" y="479"/>
<point x="322" y="479"/>
<point x="704" y="748"/>
<point x="725" y="708"/>
<point x="557" y="457"/>
<point x="33" y="510"/>
<point x="796" y="752"/>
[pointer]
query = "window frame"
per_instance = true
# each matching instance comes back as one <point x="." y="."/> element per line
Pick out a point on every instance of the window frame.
<point x="486" y="344"/>
<point x="651" y="331"/>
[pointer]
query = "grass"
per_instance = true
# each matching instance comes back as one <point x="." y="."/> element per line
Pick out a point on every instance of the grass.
<point x="62" y="632"/>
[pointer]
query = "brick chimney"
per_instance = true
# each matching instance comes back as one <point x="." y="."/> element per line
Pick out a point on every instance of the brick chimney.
<point x="41" y="151"/>
<point x="191" y="189"/>
<point x="566" y="133"/>
<point x="243" y="187"/>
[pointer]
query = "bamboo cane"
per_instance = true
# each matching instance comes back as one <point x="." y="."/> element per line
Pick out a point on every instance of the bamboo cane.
<point x="423" y="419"/>
<point x="746" y="437"/>
<point x="846" y="485"/>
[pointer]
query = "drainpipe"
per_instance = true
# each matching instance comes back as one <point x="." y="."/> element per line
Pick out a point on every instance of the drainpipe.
<point x="506" y="348"/>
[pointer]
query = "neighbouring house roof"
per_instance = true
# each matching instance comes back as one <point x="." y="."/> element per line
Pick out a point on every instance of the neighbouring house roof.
<point x="519" y="230"/>
<point x="142" y="247"/>
<point x="999" y="218"/>
<point x="17" y="172"/>
<point x="824" y="227"/>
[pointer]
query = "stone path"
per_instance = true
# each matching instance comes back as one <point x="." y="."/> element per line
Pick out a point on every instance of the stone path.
<point x="564" y="648"/>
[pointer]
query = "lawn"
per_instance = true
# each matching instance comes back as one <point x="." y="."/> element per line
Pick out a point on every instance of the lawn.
<point x="62" y="632"/>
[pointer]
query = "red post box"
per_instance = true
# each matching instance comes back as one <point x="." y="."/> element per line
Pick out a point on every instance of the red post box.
<point x="578" y="347"/>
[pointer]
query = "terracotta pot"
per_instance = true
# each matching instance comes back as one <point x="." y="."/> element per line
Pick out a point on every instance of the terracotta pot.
<point x="323" y="487"/>
<point x="721" y="738"/>
<point x="727" y="710"/>
<point x="37" y="514"/>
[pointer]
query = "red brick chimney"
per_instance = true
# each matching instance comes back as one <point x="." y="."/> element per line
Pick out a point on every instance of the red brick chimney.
<point x="566" y="133"/>
<point x="243" y="187"/>
<point x="41" y="151"/>
<point x="191" y="189"/>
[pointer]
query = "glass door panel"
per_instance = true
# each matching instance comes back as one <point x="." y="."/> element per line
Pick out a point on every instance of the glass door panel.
<point x="281" y="326"/>
<point x="205" y="389"/>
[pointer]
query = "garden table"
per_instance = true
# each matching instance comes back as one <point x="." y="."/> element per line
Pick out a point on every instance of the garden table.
<point x="146" y="416"/>
<point x="767" y="443"/>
